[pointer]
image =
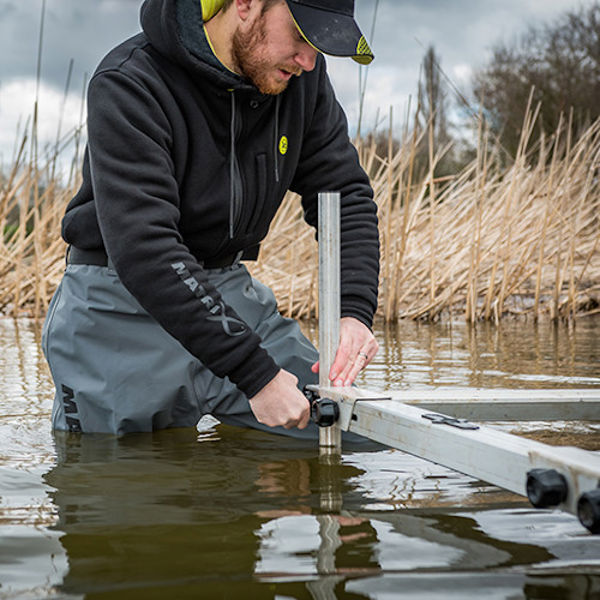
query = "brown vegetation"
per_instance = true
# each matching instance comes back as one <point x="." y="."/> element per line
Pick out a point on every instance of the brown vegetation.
<point x="486" y="242"/>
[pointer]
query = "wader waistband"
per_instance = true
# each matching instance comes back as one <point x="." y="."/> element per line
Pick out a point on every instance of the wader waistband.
<point x="76" y="256"/>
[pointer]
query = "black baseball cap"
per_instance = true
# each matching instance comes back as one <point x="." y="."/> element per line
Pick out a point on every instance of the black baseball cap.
<point x="329" y="26"/>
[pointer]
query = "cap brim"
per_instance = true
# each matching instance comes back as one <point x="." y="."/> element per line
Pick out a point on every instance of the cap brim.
<point x="331" y="33"/>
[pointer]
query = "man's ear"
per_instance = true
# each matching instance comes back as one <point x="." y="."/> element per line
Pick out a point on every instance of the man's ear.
<point x="244" y="7"/>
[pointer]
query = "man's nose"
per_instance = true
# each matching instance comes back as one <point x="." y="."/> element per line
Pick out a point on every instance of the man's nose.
<point x="306" y="57"/>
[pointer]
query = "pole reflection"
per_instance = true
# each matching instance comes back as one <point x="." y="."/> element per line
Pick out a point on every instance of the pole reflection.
<point x="238" y="513"/>
<point x="231" y="513"/>
<point x="155" y="512"/>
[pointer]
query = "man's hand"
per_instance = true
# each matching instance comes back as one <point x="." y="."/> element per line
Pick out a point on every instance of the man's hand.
<point x="357" y="348"/>
<point x="280" y="402"/>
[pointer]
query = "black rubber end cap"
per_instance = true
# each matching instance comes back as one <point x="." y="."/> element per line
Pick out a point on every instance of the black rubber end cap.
<point x="546" y="488"/>
<point x="588" y="510"/>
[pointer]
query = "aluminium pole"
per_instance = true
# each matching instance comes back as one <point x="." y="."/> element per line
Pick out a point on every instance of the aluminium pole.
<point x="330" y="438"/>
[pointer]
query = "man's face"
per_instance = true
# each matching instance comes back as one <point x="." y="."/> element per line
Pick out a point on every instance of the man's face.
<point x="269" y="49"/>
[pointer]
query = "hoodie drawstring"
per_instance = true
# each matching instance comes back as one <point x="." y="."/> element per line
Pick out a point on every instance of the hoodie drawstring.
<point x="276" y="141"/>
<point x="232" y="167"/>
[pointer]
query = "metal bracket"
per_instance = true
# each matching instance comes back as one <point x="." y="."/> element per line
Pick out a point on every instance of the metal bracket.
<point x="346" y="397"/>
<point x="438" y="419"/>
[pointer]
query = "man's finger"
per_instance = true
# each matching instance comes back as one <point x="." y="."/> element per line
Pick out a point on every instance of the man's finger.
<point x="354" y="368"/>
<point x="354" y="363"/>
<point x="339" y="363"/>
<point x="305" y="419"/>
<point x="280" y="402"/>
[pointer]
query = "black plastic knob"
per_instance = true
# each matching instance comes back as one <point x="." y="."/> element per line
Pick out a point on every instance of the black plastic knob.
<point x="546" y="488"/>
<point x="324" y="412"/>
<point x="588" y="510"/>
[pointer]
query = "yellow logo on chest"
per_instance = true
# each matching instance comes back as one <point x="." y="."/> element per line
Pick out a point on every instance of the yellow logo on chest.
<point x="283" y="144"/>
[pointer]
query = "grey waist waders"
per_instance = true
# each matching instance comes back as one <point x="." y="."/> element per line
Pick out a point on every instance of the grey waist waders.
<point x="117" y="371"/>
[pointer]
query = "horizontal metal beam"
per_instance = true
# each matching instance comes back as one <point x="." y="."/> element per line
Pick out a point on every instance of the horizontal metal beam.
<point x="507" y="405"/>
<point x="485" y="453"/>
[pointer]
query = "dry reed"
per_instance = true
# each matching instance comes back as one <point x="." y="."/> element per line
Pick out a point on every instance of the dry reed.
<point x="488" y="242"/>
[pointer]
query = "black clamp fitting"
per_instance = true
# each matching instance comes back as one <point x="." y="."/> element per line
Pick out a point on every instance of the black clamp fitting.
<point x="323" y="411"/>
<point x="546" y="488"/>
<point x="588" y="510"/>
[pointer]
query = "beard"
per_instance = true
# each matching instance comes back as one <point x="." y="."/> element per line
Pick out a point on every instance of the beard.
<point x="248" y="49"/>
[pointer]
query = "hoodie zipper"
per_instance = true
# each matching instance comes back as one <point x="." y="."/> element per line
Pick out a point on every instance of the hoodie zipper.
<point x="236" y="190"/>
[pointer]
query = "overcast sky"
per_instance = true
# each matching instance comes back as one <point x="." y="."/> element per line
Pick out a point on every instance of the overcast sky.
<point x="462" y="32"/>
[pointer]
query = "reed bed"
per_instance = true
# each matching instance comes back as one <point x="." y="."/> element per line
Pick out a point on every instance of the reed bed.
<point x="486" y="243"/>
<point x="32" y="204"/>
<point x="490" y="241"/>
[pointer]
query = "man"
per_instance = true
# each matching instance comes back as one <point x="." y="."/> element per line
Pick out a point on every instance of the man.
<point x="196" y="129"/>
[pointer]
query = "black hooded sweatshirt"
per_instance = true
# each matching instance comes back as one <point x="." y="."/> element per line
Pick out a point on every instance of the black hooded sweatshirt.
<point x="186" y="162"/>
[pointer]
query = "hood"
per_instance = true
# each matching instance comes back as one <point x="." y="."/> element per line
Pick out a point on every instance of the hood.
<point x="175" y="28"/>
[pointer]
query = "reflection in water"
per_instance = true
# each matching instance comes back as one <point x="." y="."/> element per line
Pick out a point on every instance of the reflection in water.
<point x="161" y="511"/>
<point x="232" y="513"/>
<point x="240" y="513"/>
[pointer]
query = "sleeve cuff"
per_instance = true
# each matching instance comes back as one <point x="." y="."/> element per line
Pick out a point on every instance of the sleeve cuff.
<point x="254" y="373"/>
<point x="353" y="306"/>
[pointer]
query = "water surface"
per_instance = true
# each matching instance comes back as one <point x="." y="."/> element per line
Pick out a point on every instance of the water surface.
<point x="227" y="513"/>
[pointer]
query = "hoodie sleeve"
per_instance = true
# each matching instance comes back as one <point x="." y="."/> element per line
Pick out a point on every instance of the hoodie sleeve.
<point x="137" y="203"/>
<point x="329" y="162"/>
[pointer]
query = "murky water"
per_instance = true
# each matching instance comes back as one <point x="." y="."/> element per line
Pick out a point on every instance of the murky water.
<point x="226" y="513"/>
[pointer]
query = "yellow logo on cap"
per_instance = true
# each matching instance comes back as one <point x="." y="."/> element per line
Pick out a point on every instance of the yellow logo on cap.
<point x="283" y="144"/>
<point x="364" y="54"/>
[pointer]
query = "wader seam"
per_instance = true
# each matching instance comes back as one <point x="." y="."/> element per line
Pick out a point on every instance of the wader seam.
<point x="46" y="345"/>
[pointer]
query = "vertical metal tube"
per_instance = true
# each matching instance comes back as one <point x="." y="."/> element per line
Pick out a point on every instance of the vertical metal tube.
<point x="329" y="301"/>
